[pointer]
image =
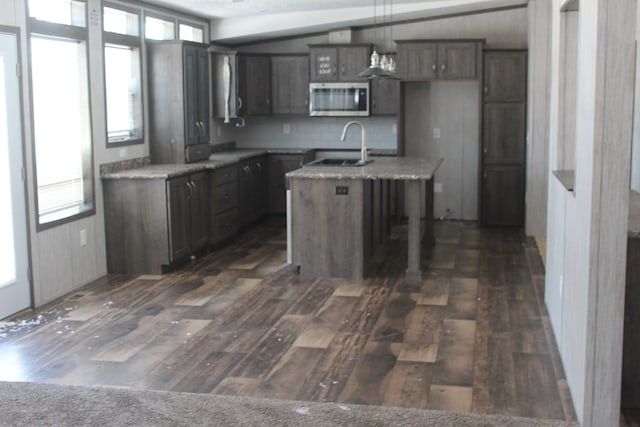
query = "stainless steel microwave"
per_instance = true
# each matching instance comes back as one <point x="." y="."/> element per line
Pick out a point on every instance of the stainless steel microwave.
<point x="339" y="99"/>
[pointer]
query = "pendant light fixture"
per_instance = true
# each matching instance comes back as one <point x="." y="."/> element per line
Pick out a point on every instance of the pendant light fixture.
<point x="384" y="67"/>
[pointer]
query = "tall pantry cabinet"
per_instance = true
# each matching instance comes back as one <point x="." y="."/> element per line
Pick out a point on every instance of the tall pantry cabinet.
<point x="503" y="138"/>
<point x="178" y="101"/>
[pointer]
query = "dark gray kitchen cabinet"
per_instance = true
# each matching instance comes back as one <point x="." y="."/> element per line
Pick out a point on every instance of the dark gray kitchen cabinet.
<point x="255" y="84"/>
<point x="502" y="193"/>
<point x="290" y="84"/>
<point x="338" y="62"/>
<point x="279" y="165"/>
<point x="503" y="76"/>
<point x="224" y="204"/>
<point x="152" y="224"/>
<point x="252" y="189"/>
<point x="188" y="205"/>
<point x="384" y="96"/>
<point x="432" y="60"/>
<point x="503" y="133"/>
<point x="418" y="61"/>
<point x="178" y="101"/>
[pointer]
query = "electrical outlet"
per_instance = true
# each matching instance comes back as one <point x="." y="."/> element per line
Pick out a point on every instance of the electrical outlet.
<point x="436" y="133"/>
<point x="437" y="187"/>
<point x="123" y="153"/>
<point x="342" y="190"/>
<point x="286" y="128"/>
<point x="394" y="129"/>
<point x="83" y="237"/>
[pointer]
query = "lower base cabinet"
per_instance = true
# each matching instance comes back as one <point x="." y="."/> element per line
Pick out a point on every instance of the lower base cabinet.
<point x="279" y="165"/>
<point x="503" y="195"/>
<point x="224" y="204"/>
<point x="152" y="224"/>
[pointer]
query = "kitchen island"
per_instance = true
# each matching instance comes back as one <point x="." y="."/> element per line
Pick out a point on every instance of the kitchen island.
<point x="339" y="213"/>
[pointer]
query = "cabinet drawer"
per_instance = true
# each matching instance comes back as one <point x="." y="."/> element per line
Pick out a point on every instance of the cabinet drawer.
<point x="226" y="224"/>
<point x="225" y="197"/>
<point x="226" y="174"/>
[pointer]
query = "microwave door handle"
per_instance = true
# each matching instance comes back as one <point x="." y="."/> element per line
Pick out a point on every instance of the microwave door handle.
<point x="356" y="97"/>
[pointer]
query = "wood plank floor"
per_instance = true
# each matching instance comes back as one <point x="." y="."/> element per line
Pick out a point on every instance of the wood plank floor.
<point x="474" y="336"/>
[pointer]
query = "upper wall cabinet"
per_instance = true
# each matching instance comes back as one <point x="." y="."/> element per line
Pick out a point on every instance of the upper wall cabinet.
<point x="290" y="84"/>
<point x="255" y="84"/>
<point x="431" y="60"/>
<point x="179" y="101"/>
<point x="330" y="63"/>
<point x="505" y="76"/>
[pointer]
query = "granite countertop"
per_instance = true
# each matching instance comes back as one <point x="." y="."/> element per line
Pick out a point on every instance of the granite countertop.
<point x="401" y="168"/>
<point x="216" y="161"/>
<point x="634" y="214"/>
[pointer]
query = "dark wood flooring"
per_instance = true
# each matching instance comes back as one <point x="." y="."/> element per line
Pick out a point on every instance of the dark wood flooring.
<point x="474" y="336"/>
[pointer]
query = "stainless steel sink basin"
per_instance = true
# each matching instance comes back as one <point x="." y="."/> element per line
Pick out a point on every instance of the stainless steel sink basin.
<point x="337" y="162"/>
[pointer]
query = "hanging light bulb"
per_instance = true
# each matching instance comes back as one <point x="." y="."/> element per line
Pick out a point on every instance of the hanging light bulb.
<point x="378" y="67"/>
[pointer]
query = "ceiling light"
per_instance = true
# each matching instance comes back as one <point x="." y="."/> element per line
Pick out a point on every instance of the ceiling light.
<point x="384" y="67"/>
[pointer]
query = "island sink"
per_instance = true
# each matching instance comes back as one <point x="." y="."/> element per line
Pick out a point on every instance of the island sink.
<point x="338" y="162"/>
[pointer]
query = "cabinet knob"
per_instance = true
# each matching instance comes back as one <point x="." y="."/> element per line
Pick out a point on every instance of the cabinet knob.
<point x="433" y="67"/>
<point x="444" y="67"/>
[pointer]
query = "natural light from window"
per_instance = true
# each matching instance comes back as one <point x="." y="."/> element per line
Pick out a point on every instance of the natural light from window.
<point x="159" y="29"/>
<point x="191" y="33"/>
<point x="61" y="125"/>
<point x="124" y="103"/>
<point x="7" y="250"/>
<point x="121" y="22"/>
<point x="67" y="12"/>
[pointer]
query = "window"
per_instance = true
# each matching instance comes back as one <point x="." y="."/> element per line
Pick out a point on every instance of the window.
<point x="123" y="82"/>
<point x="61" y="117"/>
<point x="191" y="33"/>
<point x="159" y="29"/>
<point x="66" y="12"/>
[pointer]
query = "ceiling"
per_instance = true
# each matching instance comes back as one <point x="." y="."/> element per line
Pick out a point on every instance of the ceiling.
<point x="239" y="21"/>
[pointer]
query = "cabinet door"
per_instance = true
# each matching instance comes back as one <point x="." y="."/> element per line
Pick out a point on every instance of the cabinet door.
<point x="323" y="63"/>
<point x="503" y="195"/>
<point x="503" y="133"/>
<point x="279" y="165"/>
<point x="384" y="96"/>
<point x="418" y="61"/>
<point x="245" y="193"/>
<point x="257" y="87"/>
<point x="190" y="59"/>
<point x="179" y="217"/>
<point x="290" y="84"/>
<point x="203" y="94"/>
<point x="351" y="61"/>
<point x="260" y="176"/>
<point x="199" y="205"/>
<point x="505" y="76"/>
<point x="457" y="61"/>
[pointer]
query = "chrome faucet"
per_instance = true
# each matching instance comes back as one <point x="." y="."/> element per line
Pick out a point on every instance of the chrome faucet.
<point x="363" y="148"/>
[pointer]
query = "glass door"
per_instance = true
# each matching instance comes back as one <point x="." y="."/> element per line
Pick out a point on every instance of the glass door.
<point x="15" y="292"/>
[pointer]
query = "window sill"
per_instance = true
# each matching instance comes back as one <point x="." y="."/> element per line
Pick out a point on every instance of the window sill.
<point x="64" y="216"/>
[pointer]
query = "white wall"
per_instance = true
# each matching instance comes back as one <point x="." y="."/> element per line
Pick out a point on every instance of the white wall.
<point x="635" y="151"/>
<point x="586" y="230"/>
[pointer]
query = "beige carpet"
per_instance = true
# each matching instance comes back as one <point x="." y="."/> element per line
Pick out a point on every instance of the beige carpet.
<point x="29" y="404"/>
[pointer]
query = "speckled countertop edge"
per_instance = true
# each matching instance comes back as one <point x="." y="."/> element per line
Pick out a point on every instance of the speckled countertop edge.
<point x="216" y="161"/>
<point x="634" y="214"/>
<point x="401" y="168"/>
